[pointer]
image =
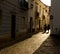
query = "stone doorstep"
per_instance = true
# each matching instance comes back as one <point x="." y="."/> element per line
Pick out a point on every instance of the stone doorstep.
<point x="4" y="38"/>
<point x="7" y="37"/>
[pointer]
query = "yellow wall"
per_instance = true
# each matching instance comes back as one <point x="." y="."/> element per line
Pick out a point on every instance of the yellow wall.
<point x="42" y="11"/>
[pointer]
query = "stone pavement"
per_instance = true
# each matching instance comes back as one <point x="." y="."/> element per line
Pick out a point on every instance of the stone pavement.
<point x="28" y="46"/>
<point x="50" y="46"/>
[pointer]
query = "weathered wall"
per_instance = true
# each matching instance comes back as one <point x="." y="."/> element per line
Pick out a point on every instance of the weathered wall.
<point x="9" y="7"/>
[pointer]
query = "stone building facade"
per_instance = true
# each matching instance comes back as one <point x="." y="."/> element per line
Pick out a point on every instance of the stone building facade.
<point x="40" y="14"/>
<point x="13" y="18"/>
<point x="20" y="16"/>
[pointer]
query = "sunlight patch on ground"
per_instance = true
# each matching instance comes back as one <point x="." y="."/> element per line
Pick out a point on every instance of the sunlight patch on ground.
<point x="27" y="46"/>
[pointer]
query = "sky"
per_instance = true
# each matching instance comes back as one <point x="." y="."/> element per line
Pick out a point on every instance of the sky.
<point x="26" y="0"/>
<point x="46" y="2"/>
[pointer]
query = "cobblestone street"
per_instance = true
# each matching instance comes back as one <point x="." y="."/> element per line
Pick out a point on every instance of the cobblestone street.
<point x="28" y="46"/>
<point x="50" y="46"/>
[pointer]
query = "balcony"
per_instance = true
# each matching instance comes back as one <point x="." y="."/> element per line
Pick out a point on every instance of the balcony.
<point x="23" y="5"/>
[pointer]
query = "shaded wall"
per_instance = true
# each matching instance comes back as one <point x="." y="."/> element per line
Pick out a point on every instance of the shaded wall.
<point x="55" y="11"/>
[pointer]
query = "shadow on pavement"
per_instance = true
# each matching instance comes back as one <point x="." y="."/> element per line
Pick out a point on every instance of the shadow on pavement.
<point x="14" y="41"/>
<point x="50" y="46"/>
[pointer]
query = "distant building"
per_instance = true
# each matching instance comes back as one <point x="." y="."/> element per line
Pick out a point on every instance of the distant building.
<point x="39" y="13"/>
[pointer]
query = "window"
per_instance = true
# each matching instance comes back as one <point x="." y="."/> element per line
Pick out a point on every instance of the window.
<point x="23" y="23"/>
<point x="43" y="17"/>
<point x="46" y="10"/>
<point x="23" y="4"/>
<point x="31" y="5"/>
<point x="36" y="12"/>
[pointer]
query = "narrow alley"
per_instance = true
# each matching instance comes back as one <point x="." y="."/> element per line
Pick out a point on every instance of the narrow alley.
<point x="28" y="46"/>
<point x="29" y="27"/>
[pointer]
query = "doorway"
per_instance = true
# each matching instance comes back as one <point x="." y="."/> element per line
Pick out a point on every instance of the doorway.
<point x="13" y="26"/>
<point x="31" y="24"/>
<point x="39" y="24"/>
